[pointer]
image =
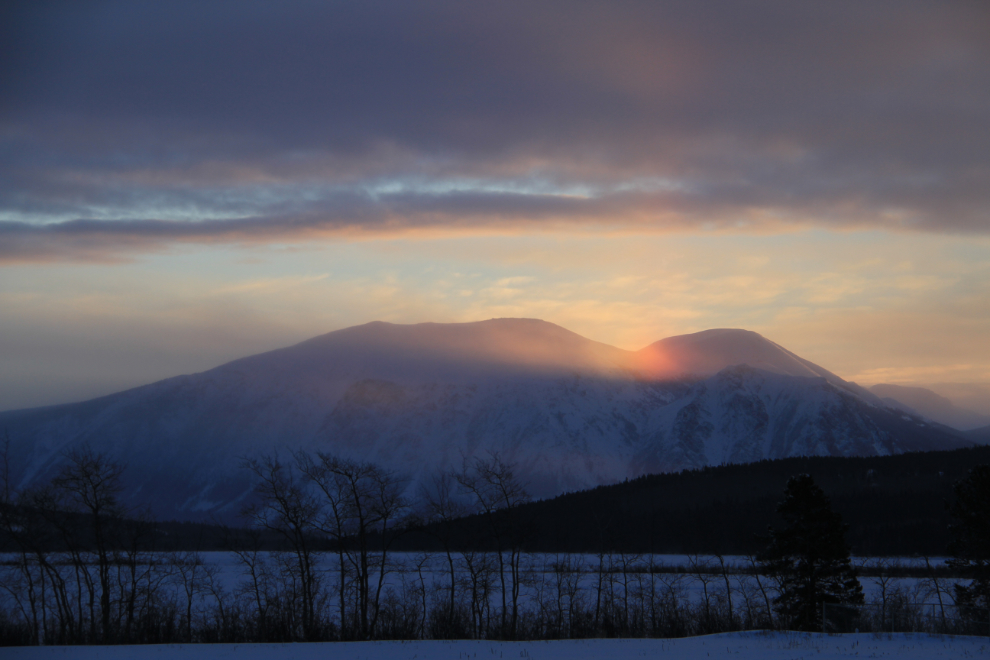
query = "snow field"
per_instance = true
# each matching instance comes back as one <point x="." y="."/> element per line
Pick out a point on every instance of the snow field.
<point x="738" y="646"/>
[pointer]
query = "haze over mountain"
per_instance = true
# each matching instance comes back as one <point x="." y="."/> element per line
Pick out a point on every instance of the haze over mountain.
<point x="925" y="402"/>
<point x="570" y="412"/>
<point x="972" y="396"/>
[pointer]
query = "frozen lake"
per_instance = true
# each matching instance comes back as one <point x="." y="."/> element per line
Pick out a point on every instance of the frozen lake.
<point x="687" y="575"/>
<point x="227" y="596"/>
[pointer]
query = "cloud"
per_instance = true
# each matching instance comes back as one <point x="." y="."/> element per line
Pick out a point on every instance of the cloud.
<point x="130" y="126"/>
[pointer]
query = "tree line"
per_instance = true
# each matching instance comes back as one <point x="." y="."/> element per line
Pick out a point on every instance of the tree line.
<point x="86" y="571"/>
<point x="893" y="505"/>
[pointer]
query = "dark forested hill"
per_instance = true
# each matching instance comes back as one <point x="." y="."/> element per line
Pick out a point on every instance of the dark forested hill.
<point x="892" y="504"/>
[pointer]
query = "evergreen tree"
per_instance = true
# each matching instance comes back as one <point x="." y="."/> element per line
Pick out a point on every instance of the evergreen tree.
<point x="970" y="544"/>
<point x="809" y="556"/>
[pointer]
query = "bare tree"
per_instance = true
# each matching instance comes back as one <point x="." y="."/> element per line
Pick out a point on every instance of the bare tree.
<point x="442" y="508"/>
<point x="191" y="576"/>
<point x="934" y="585"/>
<point x="497" y="493"/>
<point x="362" y="501"/>
<point x="566" y="583"/>
<point x="16" y="531"/>
<point x="257" y="588"/>
<point x="884" y="569"/>
<point x="479" y="567"/>
<point x="90" y="482"/>
<point x="724" y="571"/>
<point x="289" y="510"/>
<point x="667" y="614"/>
<point x="701" y="568"/>
<point x="756" y="569"/>
<point x="628" y="570"/>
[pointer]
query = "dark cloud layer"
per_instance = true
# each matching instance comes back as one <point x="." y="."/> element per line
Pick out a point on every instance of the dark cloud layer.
<point x="229" y="121"/>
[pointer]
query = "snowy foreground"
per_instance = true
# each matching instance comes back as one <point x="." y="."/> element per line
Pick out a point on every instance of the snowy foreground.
<point x="740" y="646"/>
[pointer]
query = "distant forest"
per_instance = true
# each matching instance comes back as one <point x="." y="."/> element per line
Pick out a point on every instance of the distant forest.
<point x="893" y="505"/>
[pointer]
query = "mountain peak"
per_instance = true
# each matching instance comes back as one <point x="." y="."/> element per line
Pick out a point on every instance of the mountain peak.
<point x="434" y="351"/>
<point x="709" y="351"/>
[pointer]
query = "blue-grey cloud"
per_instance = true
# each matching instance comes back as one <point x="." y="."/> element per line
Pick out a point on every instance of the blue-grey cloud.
<point x="213" y="121"/>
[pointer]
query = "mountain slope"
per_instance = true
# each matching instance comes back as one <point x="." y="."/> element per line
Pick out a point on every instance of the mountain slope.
<point x="572" y="413"/>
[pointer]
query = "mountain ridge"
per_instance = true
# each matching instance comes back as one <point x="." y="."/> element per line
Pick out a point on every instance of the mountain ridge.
<point x="923" y="401"/>
<point x="570" y="412"/>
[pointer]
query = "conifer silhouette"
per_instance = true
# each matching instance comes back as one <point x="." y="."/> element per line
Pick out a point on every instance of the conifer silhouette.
<point x="970" y="544"/>
<point x="809" y="556"/>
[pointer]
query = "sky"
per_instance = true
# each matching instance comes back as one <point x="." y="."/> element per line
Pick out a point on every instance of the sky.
<point x="185" y="183"/>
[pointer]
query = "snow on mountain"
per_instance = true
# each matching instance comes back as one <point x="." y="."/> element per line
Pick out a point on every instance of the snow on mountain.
<point x="570" y="412"/>
<point x="710" y="351"/>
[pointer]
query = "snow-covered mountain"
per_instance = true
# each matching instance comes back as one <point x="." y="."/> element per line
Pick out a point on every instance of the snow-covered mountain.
<point x="570" y="412"/>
